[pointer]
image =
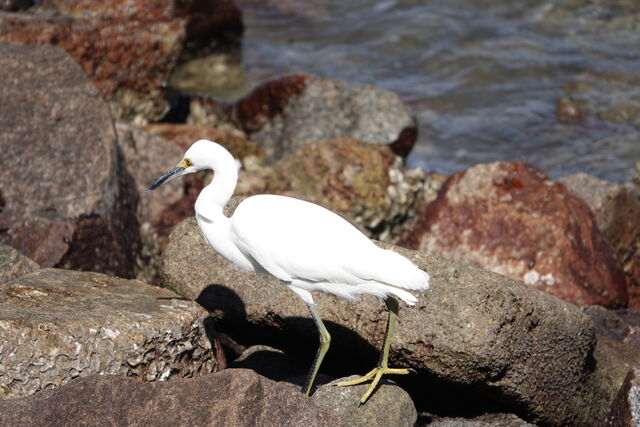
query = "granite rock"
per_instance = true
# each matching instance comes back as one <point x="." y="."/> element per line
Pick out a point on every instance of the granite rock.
<point x="295" y="110"/>
<point x="67" y="198"/>
<point x="510" y="218"/>
<point x="616" y="210"/>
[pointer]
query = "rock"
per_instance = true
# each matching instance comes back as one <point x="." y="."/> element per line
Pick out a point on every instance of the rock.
<point x="486" y="420"/>
<point x="209" y="22"/>
<point x="365" y="183"/>
<point x="184" y="135"/>
<point x="473" y="329"/>
<point x="270" y="363"/>
<point x="15" y="5"/>
<point x="235" y="397"/>
<point x="616" y="211"/>
<point x="511" y="219"/>
<point x="56" y="325"/>
<point x="146" y="157"/>
<point x="70" y="201"/>
<point x="625" y="410"/>
<point x="128" y="61"/>
<point x="618" y="325"/>
<point x="390" y="405"/>
<point x="290" y="112"/>
<point x="14" y="264"/>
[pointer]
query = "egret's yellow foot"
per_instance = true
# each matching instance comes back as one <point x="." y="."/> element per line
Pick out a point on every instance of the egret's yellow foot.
<point x="376" y="373"/>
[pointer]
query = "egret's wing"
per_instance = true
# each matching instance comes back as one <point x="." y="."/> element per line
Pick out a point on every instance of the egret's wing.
<point x="297" y="240"/>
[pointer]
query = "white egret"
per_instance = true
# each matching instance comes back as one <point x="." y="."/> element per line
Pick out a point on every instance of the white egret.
<point x="305" y="245"/>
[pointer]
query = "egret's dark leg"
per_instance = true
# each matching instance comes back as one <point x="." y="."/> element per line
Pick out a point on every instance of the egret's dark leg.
<point x="325" y="340"/>
<point x="382" y="368"/>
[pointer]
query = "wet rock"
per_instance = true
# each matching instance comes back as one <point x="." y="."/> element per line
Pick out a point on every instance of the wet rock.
<point x="616" y="211"/>
<point x="365" y="183"/>
<point x="567" y="110"/>
<point x="235" y="397"/>
<point x="511" y="219"/>
<point x="390" y="405"/>
<point x="57" y="325"/>
<point x="68" y="200"/>
<point x="290" y="112"/>
<point x="14" y="264"/>
<point x="473" y="328"/>
<point x="486" y="420"/>
<point x="128" y="61"/>
<point x="625" y="410"/>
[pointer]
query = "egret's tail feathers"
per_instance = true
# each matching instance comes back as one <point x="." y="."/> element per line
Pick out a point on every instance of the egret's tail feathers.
<point x="393" y="269"/>
<point x="405" y="296"/>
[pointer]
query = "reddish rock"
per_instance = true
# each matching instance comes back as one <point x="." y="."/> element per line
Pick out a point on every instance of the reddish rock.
<point x="68" y="200"/>
<point x="617" y="213"/>
<point x="287" y="113"/>
<point x="206" y="21"/>
<point x="511" y="219"/>
<point x="234" y="397"/>
<point x="116" y="55"/>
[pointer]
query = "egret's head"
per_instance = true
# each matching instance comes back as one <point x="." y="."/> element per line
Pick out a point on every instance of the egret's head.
<point x="193" y="161"/>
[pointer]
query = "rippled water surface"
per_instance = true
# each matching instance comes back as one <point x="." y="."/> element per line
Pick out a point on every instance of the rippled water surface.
<point x="483" y="77"/>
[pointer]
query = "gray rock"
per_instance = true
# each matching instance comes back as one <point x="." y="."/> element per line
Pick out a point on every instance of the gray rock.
<point x="296" y="110"/>
<point x="486" y="420"/>
<point x="390" y="405"/>
<point x="67" y="198"/>
<point x="233" y="397"/>
<point x="625" y="410"/>
<point x="473" y="327"/>
<point x="14" y="264"/>
<point x="56" y="325"/>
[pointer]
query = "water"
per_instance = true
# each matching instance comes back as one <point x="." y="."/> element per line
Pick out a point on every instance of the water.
<point x="482" y="77"/>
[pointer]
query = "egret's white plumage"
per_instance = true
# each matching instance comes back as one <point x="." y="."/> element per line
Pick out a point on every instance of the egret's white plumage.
<point x="303" y="244"/>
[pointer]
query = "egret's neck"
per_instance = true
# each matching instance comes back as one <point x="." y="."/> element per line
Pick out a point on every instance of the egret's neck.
<point x="215" y="196"/>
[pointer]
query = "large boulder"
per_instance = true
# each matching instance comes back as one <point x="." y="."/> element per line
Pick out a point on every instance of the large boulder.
<point x="510" y="218"/>
<point x="290" y="112"/>
<point x="14" y="264"/>
<point x="234" y="397"/>
<point x="617" y="212"/>
<point x="473" y="330"/>
<point x="56" y="325"/>
<point x="67" y="198"/>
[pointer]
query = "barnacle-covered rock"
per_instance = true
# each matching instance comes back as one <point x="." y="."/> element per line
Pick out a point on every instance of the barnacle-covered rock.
<point x="56" y="325"/>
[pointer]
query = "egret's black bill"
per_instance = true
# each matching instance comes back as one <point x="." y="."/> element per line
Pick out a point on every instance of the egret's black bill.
<point x="164" y="178"/>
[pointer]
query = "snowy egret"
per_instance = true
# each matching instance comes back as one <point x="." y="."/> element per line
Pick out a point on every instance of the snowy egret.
<point x="305" y="245"/>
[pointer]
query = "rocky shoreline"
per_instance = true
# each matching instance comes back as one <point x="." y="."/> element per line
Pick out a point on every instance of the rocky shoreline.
<point x="531" y="319"/>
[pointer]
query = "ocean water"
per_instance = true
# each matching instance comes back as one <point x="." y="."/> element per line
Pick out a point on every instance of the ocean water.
<point x="483" y="78"/>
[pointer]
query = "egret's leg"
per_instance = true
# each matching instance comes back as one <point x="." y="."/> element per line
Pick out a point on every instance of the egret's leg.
<point x="382" y="368"/>
<point x="325" y="341"/>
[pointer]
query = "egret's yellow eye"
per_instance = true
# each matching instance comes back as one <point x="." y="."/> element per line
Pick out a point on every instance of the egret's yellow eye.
<point x="186" y="163"/>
